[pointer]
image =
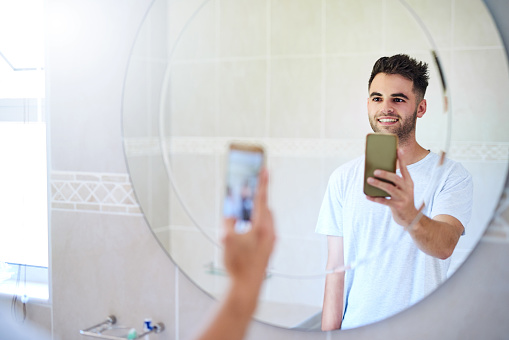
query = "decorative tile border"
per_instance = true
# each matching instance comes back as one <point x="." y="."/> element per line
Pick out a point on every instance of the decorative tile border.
<point x="108" y="193"/>
<point x="282" y="147"/>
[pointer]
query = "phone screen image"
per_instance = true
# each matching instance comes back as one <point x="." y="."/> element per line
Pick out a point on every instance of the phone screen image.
<point x="380" y="154"/>
<point x="243" y="167"/>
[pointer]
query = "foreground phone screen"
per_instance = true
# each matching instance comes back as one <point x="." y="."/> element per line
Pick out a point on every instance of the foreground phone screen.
<point x="242" y="178"/>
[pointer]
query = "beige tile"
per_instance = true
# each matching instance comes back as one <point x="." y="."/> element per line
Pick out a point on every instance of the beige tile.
<point x="473" y="25"/>
<point x="159" y="192"/>
<point x="433" y="126"/>
<point x="436" y="15"/>
<point x="192" y="175"/>
<point x="106" y="264"/>
<point x="191" y="103"/>
<point x="354" y="26"/>
<point x="195" y="308"/>
<point x="153" y="31"/>
<point x="192" y="29"/>
<point x="295" y="98"/>
<point x="489" y="181"/>
<point x="478" y="93"/>
<point x="402" y="31"/>
<point x="346" y="96"/>
<point x="243" y="28"/>
<point x="141" y="97"/>
<point x="151" y="186"/>
<point x="295" y="195"/>
<point x="296" y="256"/>
<point x="242" y="99"/>
<point x="296" y="27"/>
<point x="199" y="259"/>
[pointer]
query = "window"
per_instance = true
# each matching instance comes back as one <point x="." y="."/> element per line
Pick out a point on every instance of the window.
<point x="23" y="157"/>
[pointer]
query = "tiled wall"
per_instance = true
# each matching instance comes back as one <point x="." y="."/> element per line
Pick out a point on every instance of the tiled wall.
<point x="104" y="258"/>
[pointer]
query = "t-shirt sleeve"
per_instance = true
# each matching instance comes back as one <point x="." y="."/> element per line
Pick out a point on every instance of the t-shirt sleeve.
<point x="455" y="197"/>
<point x="329" y="217"/>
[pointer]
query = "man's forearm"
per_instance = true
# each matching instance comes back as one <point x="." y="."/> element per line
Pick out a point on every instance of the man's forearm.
<point x="436" y="237"/>
<point x="332" y="313"/>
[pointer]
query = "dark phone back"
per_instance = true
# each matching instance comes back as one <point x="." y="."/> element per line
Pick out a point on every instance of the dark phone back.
<point x="380" y="154"/>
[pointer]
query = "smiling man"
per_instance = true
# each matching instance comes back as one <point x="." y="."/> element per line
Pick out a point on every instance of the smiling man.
<point x="358" y="226"/>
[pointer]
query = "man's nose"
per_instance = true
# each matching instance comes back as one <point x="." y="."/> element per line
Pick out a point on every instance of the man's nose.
<point x="387" y="108"/>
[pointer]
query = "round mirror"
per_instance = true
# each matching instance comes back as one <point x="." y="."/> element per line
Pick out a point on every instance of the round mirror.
<point x="292" y="75"/>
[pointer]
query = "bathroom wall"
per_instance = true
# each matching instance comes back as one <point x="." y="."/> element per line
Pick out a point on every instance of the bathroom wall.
<point x="104" y="258"/>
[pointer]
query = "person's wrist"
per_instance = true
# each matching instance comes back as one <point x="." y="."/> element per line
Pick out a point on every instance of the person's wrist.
<point x="245" y="296"/>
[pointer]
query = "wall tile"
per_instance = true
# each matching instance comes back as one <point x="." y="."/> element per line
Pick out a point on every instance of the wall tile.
<point x="478" y="111"/>
<point x="199" y="259"/>
<point x="141" y="97"/>
<point x="194" y="308"/>
<point x="192" y="174"/>
<point x="473" y="26"/>
<point x="295" y="110"/>
<point x="191" y="103"/>
<point x="295" y="257"/>
<point x="295" y="27"/>
<point x="437" y="18"/>
<point x="403" y="33"/>
<point x="346" y="93"/>
<point x="243" y="28"/>
<point x="91" y="249"/>
<point x="295" y="194"/>
<point x="192" y="29"/>
<point x="351" y="25"/>
<point x="242" y="99"/>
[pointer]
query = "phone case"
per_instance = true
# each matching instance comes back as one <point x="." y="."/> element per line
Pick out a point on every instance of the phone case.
<point x="380" y="154"/>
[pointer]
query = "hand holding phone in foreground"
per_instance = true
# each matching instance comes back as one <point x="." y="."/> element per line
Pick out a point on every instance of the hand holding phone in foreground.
<point x="246" y="257"/>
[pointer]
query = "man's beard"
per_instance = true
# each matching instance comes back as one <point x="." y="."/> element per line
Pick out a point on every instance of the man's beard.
<point x="404" y="131"/>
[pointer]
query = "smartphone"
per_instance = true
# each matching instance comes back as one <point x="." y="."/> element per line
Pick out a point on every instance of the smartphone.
<point x="243" y="168"/>
<point x="380" y="154"/>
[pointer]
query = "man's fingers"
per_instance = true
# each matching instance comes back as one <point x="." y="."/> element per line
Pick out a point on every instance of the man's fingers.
<point x="387" y="187"/>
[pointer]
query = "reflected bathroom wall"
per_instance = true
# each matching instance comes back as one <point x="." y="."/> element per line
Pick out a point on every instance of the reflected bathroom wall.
<point x="293" y="75"/>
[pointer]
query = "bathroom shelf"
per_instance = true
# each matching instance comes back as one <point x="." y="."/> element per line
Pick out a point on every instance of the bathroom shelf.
<point x="107" y="330"/>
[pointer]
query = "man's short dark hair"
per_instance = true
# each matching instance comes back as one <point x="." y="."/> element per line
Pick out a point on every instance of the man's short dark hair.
<point x="410" y="68"/>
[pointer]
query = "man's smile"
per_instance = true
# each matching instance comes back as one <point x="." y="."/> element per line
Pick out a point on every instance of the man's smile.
<point x="388" y="120"/>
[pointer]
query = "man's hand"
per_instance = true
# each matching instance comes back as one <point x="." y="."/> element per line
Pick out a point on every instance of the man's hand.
<point x="401" y="201"/>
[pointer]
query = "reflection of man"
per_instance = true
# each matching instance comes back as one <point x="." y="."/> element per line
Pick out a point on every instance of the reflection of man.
<point x="359" y="226"/>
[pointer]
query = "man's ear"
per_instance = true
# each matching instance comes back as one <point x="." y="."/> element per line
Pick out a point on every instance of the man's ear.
<point x="421" y="108"/>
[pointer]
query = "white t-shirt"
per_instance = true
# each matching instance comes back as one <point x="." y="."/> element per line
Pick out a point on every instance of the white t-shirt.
<point x="391" y="273"/>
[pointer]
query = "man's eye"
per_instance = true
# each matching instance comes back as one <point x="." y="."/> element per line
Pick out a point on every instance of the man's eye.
<point x="377" y="99"/>
<point x="398" y="100"/>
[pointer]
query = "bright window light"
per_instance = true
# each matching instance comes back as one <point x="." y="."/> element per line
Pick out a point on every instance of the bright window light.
<point x="21" y="49"/>
<point x="23" y="158"/>
<point x="23" y="198"/>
